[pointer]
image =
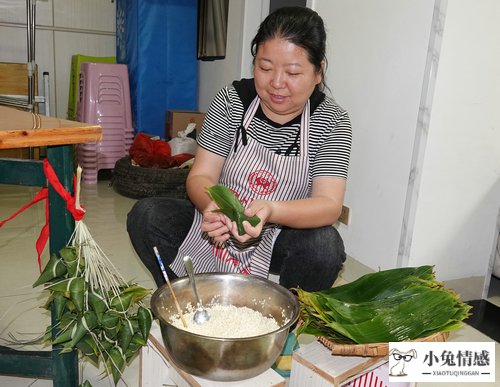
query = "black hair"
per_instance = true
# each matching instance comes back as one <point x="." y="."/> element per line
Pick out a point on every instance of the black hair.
<point x="299" y="25"/>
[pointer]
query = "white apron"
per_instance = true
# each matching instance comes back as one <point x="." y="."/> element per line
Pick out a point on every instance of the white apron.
<point x="253" y="172"/>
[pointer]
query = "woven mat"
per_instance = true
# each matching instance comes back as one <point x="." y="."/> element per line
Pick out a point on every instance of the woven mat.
<point x="372" y="349"/>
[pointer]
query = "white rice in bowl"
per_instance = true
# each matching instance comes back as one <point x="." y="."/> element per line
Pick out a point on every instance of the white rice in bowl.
<point x="228" y="321"/>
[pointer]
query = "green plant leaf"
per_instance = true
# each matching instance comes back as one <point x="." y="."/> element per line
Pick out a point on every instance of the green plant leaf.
<point x="230" y="206"/>
<point x="54" y="269"/>
<point x="391" y="305"/>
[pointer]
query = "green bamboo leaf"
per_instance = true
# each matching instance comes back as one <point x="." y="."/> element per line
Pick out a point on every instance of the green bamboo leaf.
<point x="115" y="363"/>
<point x="230" y="206"/>
<point x="84" y="325"/>
<point x="121" y="302"/>
<point x="112" y="332"/>
<point x="97" y="302"/>
<point x="65" y="334"/>
<point x="145" y="319"/>
<point x="135" y="345"/>
<point x="73" y="284"/>
<point x="138" y="292"/>
<point x="69" y="255"/>
<point x="380" y="284"/>
<point x="392" y="305"/>
<point x="138" y="340"/>
<point x="105" y="345"/>
<point x="110" y="319"/>
<point x="54" y="269"/>
<point x="111" y="323"/>
<point x="125" y="334"/>
<point x="59" y="302"/>
<point x="88" y="347"/>
<point x="224" y="197"/>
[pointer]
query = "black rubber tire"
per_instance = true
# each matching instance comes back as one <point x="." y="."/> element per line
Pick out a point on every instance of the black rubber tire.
<point x="137" y="182"/>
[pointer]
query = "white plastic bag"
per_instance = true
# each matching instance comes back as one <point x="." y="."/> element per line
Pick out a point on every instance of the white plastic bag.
<point x="182" y="143"/>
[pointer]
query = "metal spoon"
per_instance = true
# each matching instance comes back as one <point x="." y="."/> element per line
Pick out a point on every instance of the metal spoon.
<point x="200" y="315"/>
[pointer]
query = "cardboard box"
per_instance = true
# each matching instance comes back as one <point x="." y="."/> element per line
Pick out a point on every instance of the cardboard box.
<point x="314" y="365"/>
<point x="178" y="120"/>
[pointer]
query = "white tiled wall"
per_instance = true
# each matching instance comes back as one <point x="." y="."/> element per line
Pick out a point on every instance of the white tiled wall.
<point x="64" y="28"/>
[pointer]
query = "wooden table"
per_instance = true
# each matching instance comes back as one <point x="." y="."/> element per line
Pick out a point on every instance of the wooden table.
<point x="20" y="129"/>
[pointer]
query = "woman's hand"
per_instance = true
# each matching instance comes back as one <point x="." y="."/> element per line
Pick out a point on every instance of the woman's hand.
<point x="262" y="209"/>
<point x="215" y="224"/>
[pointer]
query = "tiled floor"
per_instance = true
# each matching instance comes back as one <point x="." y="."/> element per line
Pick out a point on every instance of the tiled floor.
<point x="21" y="315"/>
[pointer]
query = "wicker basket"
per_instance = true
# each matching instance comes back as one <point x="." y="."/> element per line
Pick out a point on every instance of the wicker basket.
<point x="138" y="182"/>
<point x="372" y="349"/>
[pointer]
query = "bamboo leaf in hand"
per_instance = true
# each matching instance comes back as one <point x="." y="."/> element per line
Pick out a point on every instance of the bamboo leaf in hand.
<point x="230" y="206"/>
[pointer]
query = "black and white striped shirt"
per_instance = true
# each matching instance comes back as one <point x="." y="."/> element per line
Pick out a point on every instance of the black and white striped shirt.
<point x="330" y="133"/>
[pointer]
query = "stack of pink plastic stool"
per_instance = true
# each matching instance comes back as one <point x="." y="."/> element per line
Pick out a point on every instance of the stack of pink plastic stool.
<point x="104" y="99"/>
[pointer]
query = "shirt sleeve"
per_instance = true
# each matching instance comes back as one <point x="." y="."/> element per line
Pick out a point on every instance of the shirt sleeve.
<point x="332" y="158"/>
<point x="218" y="129"/>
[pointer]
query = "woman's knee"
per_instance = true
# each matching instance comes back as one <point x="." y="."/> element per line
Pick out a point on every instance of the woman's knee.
<point x="308" y="258"/>
<point x="138" y="217"/>
<point x="322" y="240"/>
<point x="328" y="241"/>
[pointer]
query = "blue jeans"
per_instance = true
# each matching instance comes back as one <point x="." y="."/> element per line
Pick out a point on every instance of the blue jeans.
<point x="307" y="258"/>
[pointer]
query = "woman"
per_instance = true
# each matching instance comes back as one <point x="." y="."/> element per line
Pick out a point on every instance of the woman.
<point x="283" y="147"/>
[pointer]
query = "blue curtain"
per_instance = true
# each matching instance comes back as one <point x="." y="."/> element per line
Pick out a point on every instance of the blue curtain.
<point x="157" y="39"/>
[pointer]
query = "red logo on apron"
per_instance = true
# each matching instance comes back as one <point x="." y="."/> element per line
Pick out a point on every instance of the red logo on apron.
<point x="262" y="182"/>
<point x="223" y="254"/>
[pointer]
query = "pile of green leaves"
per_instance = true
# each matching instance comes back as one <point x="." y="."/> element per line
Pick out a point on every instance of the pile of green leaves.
<point x="230" y="206"/>
<point x="108" y="325"/>
<point x="391" y="305"/>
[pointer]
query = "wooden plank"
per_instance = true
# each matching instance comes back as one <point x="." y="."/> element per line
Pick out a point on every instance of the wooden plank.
<point x="20" y="129"/>
<point x="30" y="138"/>
<point x="30" y="364"/>
<point x="315" y="361"/>
<point x="14" y="78"/>
<point x="14" y="81"/>
<point x="18" y="153"/>
<point x="22" y="172"/>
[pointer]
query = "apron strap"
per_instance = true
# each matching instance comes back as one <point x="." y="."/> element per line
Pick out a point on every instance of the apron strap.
<point x="245" y="123"/>
<point x="303" y="131"/>
<point x="302" y="134"/>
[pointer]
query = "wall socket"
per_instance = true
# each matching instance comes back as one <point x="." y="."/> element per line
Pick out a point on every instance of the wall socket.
<point x="344" y="215"/>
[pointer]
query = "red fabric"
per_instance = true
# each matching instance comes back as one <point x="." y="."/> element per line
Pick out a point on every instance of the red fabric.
<point x="180" y="158"/>
<point x="150" y="153"/>
<point x="43" y="194"/>
<point x="56" y="184"/>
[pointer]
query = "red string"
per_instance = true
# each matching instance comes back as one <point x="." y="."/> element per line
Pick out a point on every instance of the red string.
<point x="56" y="184"/>
<point x="44" y="233"/>
<point x="43" y="194"/>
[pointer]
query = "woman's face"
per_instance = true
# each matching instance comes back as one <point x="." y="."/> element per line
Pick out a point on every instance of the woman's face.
<point x="284" y="79"/>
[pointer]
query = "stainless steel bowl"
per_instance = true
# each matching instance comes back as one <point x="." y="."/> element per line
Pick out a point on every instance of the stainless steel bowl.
<point x="226" y="359"/>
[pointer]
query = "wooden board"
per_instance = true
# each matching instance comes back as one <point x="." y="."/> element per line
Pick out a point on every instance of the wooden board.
<point x="315" y="361"/>
<point x="20" y="129"/>
<point x="14" y="81"/>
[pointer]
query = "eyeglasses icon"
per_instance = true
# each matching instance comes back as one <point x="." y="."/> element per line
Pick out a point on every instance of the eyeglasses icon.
<point x="398" y="356"/>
